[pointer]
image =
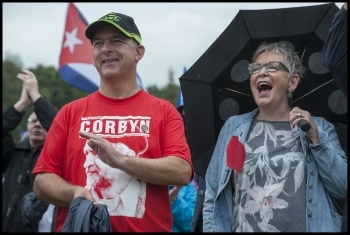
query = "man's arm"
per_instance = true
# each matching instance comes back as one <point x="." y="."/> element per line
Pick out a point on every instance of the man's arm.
<point x="11" y="118"/>
<point x="169" y="170"/>
<point x="53" y="189"/>
<point x="43" y="109"/>
<point x="45" y="112"/>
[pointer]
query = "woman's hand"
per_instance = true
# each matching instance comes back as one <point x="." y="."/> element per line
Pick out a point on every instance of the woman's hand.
<point x="296" y="114"/>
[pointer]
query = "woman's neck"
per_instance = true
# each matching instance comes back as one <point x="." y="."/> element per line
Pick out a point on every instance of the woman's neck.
<point x="276" y="115"/>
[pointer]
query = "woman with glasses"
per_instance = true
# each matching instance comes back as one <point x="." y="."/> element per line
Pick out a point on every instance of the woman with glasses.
<point x="267" y="172"/>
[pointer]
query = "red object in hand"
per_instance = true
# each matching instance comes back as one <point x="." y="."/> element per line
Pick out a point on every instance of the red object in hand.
<point x="235" y="154"/>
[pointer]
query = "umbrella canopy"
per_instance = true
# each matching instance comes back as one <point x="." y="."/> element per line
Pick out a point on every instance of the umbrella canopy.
<point x="217" y="85"/>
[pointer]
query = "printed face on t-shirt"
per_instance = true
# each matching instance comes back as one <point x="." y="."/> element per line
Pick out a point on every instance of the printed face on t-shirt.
<point x="107" y="181"/>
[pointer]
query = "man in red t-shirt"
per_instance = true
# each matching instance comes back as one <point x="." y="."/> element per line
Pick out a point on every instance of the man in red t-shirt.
<point x="135" y="141"/>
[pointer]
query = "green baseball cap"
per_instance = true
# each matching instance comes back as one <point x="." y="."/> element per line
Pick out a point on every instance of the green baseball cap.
<point x="123" y="22"/>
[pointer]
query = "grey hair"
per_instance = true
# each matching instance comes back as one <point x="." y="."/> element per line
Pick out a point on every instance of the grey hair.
<point x="292" y="59"/>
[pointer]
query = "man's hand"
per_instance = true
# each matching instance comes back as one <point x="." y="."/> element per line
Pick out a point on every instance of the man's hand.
<point x="24" y="100"/>
<point x="104" y="149"/>
<point x="31" y="84"/>
<point x="174" y="192"/>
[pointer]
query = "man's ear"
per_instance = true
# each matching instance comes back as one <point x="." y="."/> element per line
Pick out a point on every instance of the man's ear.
<point x="140" y="52"/>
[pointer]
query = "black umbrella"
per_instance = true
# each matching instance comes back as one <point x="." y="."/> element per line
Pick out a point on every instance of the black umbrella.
<point x="217" y="85"/>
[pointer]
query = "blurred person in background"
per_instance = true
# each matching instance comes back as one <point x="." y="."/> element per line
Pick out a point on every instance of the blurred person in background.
<point x="18" y="159"/>
<point x="335" y="58"/>
<point x="182" y="200"/>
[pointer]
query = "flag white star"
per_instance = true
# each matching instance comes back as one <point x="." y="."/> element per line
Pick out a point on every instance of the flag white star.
<point x="72" y="40"/>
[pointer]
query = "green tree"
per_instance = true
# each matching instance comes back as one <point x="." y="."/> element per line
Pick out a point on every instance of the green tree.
<point x="168" y="92"/>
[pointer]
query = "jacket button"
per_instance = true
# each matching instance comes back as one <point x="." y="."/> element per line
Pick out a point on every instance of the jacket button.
<point x="310" y="185"/>
<point x="309" y="214"/>
<point x="309" y="199"/>
<point x="201" y="192"/>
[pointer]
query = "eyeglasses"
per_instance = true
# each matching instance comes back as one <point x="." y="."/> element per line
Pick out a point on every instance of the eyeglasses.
<point x="32" y="121"/>
<point x="272" y="66"/>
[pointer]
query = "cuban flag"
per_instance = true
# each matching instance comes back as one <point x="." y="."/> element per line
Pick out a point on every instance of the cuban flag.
<point x="75" y="66"/>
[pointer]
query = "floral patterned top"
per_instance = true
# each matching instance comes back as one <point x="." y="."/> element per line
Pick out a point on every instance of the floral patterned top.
<point x="270" y="192"/>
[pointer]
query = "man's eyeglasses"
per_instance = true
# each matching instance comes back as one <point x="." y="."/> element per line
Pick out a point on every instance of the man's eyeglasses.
<point x="272" y="66"/>
<point x="32" y="121"/>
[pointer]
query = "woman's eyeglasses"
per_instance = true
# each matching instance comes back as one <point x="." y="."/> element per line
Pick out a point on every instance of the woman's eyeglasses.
<point x="272" y="66"/>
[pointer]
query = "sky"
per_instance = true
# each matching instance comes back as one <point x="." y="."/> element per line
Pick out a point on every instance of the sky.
<point x="174" y="34"/>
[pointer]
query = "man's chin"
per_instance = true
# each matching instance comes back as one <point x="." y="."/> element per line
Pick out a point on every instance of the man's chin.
<point x="37" y="139"/>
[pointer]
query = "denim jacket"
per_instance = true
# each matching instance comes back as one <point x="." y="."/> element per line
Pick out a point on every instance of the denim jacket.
<point x="326" y="175"/>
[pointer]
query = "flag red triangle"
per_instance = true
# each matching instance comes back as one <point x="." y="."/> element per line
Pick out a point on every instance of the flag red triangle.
<point x="75" y="46"/>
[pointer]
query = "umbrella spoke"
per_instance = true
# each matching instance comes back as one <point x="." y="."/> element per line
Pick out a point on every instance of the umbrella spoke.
<point x="313" y="90"/>
<point x="242" y="93"/>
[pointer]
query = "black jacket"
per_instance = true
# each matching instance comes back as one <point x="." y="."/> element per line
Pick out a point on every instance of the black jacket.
<point x="84" y="216"/>
<point x="335" y="50"/>
<point x="32" y="209"/>
<point x="335" y="58"/>
<point x="18" y="161"/>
